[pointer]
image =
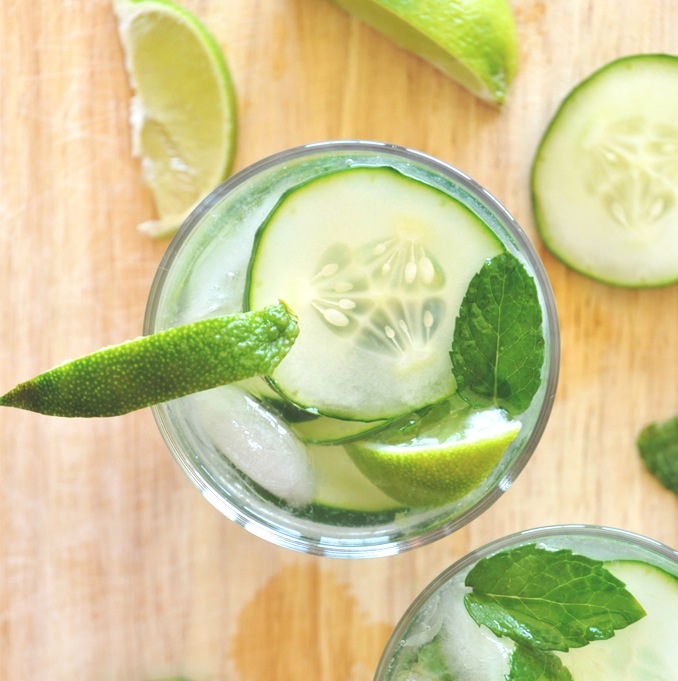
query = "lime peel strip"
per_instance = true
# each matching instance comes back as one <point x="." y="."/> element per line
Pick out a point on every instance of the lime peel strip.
<point x="162" y="366"/>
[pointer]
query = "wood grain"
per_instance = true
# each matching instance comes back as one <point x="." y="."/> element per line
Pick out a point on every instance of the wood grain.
<point x="111" y="566"/>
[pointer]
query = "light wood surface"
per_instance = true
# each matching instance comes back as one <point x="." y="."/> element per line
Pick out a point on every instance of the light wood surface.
<point x="112" y="567"/>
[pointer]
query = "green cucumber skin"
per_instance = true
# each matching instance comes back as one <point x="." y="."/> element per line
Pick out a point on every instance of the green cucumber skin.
<point x="311" y="427"/>
<point x="537" y="210"/>
<point x="322" y="431"/>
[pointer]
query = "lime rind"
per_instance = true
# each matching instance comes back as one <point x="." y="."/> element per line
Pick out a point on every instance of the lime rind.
<point x="161" y="366"/>
<point x="183" y="111"/>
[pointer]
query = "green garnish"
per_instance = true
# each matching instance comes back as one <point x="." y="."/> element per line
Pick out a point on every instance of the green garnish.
<point x="498" y="345"/>
<point x="658" y="447"/>
<point x="534" y="665"/>
<point x="430" y="664"/>
<point x="162" y="366"/>
<point x="548" y="600"/>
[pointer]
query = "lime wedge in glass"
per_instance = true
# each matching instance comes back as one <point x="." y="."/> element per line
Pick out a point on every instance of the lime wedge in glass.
<point x="442" y="463"/>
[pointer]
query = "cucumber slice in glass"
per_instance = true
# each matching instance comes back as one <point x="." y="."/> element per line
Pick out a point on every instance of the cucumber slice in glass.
<point x="342" y="486"/>
<point x="309" y="426"/>
<point x="326" y="430"/>
<point x="645" y="650"/>
<point x="375" y="264"/>
<point x="605" y="175"/>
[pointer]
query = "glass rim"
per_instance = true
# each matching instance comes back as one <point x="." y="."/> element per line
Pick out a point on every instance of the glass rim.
<point x="508" y="541"/>
<point x="360" y="548"/>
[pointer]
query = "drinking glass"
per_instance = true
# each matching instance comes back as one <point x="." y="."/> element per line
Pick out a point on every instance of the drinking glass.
<point x="203" y="274"/>
<point x="438" y="611"/>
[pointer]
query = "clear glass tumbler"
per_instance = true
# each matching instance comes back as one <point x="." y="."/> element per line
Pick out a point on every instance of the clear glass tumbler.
<point x="260" y="486"/>
<point x="437" y="638"/>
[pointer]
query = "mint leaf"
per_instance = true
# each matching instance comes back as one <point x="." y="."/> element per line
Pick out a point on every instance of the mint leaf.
<point x="548" y="600"/>
<point x="658" y="447"/>
<point x="498" y="346"/>
<point x="429" y="665"/>
<point x="411" y="426"/>
<point x="535" y="665"/>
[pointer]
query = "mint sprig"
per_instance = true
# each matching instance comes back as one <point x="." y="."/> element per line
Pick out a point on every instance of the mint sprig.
<point x="498" y="346"/>
<point x="534" y="665"/>
<point x="548" y="600"/>
<point x="429" y="664"/>
<point x="658" y="447"/>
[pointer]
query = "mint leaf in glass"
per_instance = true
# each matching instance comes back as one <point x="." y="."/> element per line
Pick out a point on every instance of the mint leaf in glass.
<point x="658" y="447"/>
<point x="498" y="346"/>
<point x="548" y="600"/>
<point x="430" y="665"/>
<point x="534" y="665"/>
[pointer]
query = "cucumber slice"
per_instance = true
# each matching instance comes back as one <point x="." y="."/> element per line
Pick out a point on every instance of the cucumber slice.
<point x="605" y="176"/>
<point x="645" y="650"/>
<point x="375" y="264"/>
<point x="309" y="426"/>
<point x="325" y="430"/>
<point x="340" y="485"/>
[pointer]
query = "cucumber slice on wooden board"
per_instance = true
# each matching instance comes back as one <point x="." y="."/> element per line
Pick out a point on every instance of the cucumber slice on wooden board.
<point x="645" y="650"/>
<point x="605" y="175"/>
<point x="375" y="264"/>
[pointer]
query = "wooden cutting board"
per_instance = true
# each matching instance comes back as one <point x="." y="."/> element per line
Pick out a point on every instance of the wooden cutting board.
<point x="112" y="567"/>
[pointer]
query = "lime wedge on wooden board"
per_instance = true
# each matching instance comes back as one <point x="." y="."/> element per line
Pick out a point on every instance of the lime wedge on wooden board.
<point x="183" y="112"/>
<point x="472" y="41"/>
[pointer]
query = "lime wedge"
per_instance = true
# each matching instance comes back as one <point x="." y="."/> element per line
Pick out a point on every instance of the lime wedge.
<point x="161" y="367"/>
<point x="183" y="112"/>
<point x="472" y="41"/>
<point x="443" y="463"/>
